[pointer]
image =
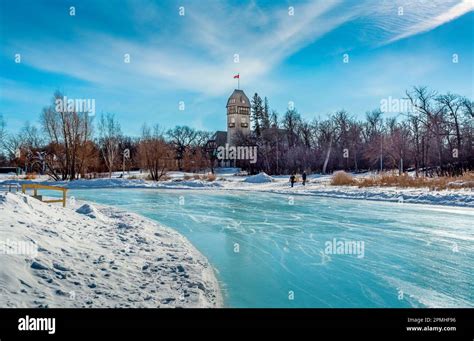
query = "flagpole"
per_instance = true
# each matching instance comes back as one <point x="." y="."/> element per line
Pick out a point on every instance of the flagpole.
<point x="238" y="82"/>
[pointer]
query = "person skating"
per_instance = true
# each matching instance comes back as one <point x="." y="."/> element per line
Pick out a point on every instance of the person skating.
<point x="304" y="178"/>
<point x="292" y="179"/>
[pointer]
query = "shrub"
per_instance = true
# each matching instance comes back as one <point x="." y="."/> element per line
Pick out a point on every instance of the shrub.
<point x="341" y="178"/>
<point x="211" y="177"/>
<point x="30" y="176"/>
<point x="405" y="180"/>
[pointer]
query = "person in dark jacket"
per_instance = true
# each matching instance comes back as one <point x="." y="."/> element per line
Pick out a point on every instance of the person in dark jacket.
<point x="292" y="179"/>
<point x="304" y="178"/>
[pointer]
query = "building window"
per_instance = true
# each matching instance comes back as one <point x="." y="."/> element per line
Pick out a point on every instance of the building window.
<point x="232" y="122"/>
<point x="243" y="122"/>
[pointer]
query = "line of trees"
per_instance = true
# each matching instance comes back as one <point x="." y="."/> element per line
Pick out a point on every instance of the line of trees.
<point x="435" y="136"/>
<point x="66" y="147"/>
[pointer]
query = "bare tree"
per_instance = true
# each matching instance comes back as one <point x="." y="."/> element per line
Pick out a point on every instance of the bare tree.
<point x="468" y="106"/>
<point x="109" y="138"/>
<point x="326" y="140"/>
<point x="452" y="104"/>
<point x="431" y="116"/>
<point x="291" y="122"/>
<point x="67" y="131"/>
<point x="31" y="136"/>
<point x="154" y="154"/>
<point x="2" y="129"/>
<point x="182" y="137"/>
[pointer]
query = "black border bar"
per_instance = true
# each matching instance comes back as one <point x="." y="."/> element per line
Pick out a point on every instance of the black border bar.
<point x="350" y="322"/>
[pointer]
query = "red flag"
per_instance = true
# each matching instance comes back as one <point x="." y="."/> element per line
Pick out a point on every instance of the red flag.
<point x="237" y="76"/>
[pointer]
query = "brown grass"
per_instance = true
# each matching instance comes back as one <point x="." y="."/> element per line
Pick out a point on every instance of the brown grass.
<point x="341" y="178"/>
<point x="407" y="181"/>
<point x="205" y="177"/>
<point x="211" y="177"/>
<point x="30" y="176"/>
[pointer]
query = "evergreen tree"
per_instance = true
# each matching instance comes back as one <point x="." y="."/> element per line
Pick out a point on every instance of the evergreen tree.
<point x="265" y="114"/>
<point x="274" y="119"/>
<point x="257" y="113"/>
<point x="291" y="122"/>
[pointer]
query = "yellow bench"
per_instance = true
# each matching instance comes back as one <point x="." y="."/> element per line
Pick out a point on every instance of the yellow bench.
<point x="36" y="187"/>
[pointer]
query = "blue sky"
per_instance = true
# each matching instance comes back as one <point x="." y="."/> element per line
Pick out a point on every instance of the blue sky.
<point x="190" y="58"/>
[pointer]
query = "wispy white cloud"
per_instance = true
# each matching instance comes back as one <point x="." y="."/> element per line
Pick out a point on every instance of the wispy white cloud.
<point x="197" y="55"/>
<point x="434" y="20"/>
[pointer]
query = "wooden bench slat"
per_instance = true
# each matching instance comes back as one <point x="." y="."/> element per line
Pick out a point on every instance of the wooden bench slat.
<point x="35" y="187"/>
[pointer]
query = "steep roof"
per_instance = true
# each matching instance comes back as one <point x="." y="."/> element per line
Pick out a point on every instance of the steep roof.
<point x="240" y="98"/>
<point x="220" y="137"/>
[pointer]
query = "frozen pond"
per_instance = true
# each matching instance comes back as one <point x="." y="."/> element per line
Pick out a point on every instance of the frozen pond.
<point x="272" y="250"/>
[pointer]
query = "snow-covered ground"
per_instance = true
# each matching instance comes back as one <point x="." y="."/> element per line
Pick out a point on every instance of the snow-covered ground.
<point x="317" y="185"/>
<point x="91" y="255"/>
<point x="96" y="256"/>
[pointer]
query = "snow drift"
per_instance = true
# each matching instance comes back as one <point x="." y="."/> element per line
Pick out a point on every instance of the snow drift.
<point x="259" y="178"/>
<point x="96" y="256"/>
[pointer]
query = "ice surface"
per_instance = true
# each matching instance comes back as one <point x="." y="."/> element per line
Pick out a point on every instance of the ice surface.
<point x="424" y="251"/>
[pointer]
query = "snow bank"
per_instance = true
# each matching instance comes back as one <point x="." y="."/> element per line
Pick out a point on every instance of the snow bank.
<point x="188" y="184"/>
<point x="121" y="183"/>
<point x="461" y="198"/>
<point x="96" y="256"/>
<point x="92" y="212"/>
<point x="259" y="178"/>
<point x="317" y="185"/>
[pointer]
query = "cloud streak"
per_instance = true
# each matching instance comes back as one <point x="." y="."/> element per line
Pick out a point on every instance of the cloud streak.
<point x="197" y="55"/>
<point x="432" y="22"/>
